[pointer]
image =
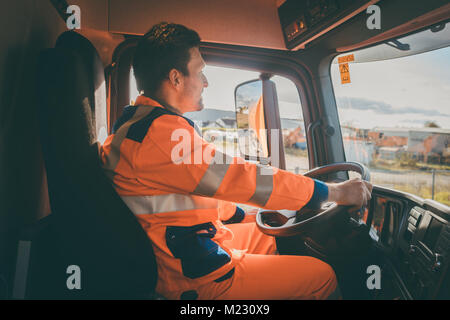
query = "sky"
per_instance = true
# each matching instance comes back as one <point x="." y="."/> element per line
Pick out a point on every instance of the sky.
<point x="401" y="92"/>
<point x="223" y="81"/>
<point x="221" y="84"/>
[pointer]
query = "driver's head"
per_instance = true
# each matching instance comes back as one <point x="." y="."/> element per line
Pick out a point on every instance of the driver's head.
<point x="168" y="66"/>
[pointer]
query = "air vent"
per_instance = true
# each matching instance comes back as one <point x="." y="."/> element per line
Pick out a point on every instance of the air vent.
<point x="413" y="222"/>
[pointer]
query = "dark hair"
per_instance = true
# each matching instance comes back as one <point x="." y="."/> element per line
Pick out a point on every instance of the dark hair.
<point x="163" y="48"/>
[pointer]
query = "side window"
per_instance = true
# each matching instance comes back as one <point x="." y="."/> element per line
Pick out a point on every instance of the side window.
<point x="292" y="125"/>
<point x="218" y="118"/>
<point x="395" y="118"/>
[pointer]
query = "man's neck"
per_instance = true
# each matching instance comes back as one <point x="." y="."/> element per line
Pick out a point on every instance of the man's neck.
<point x="166" y="104"/>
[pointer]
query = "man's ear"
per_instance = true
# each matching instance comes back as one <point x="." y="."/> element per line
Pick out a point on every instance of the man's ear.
<point x="175" y="78"/>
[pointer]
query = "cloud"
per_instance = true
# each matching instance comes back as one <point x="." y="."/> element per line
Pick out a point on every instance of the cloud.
<point x="289" y="96"/>
<point x="383" y="108"/>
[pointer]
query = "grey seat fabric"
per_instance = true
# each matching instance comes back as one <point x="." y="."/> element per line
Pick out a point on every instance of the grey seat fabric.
<point x="92" y="226"/>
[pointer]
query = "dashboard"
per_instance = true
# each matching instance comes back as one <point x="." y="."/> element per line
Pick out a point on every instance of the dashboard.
<point x="414" y="236"/>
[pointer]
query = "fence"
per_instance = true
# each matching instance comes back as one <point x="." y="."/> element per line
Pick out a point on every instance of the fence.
<point x="428" y="184"/>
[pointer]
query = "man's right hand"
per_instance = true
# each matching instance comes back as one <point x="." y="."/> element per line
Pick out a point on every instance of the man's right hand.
<point x="355" y="193"/>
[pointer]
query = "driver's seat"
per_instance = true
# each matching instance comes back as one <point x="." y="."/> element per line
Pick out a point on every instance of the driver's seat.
<point x="91" y="226"/>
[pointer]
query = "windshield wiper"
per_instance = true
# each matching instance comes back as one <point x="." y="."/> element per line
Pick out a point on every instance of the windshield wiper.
<point x="438" y="27"/>
<point x="398" y="45"/>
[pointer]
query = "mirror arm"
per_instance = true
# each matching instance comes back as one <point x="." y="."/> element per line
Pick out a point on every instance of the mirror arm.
<point x="272" y="120"/>
<point x="310" y="135"/>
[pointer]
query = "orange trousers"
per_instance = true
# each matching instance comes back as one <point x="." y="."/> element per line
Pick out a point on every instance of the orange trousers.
<point x="261" y="274"/>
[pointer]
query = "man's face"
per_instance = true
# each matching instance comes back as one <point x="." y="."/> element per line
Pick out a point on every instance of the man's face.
<point x="193" y="84"/>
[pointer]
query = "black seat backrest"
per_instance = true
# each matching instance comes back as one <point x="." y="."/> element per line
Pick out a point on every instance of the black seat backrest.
<point x="95" y="229"/>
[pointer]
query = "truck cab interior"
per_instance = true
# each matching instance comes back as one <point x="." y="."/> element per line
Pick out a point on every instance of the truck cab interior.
<point x="348" y="88"/>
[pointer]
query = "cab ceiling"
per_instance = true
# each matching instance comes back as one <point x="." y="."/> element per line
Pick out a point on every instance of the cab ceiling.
<point x="242" y="22"/>
<point x="253" y="23"/>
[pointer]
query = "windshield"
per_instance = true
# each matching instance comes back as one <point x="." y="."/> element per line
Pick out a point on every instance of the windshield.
<point x="395" y="114"/>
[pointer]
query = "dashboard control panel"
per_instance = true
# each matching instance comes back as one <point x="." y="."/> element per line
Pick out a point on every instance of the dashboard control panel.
<point x="300" y="20"/>
<point x="426" y="244"/>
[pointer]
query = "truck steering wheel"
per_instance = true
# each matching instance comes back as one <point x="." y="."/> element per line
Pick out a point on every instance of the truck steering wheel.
<point x="285" y="223"/>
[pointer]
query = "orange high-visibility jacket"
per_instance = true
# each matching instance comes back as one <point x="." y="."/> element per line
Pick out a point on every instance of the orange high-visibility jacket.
<point x="180" y="187"/>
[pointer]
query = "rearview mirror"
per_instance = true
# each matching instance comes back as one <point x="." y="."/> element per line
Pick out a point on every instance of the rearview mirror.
<point x="250" y="120"/>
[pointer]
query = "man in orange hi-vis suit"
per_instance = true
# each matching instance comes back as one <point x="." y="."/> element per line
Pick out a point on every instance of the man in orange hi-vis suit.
<point x="182" y="190"/>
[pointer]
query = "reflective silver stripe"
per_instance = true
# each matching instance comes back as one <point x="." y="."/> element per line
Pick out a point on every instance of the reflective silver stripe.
<point x="168" y="203"/>
<point x="212" y="179"/>
<point x="264" y="185"/>
<point x="114" y="155"/>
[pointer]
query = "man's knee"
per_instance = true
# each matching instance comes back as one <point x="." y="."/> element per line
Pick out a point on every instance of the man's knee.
<point x="327" y="285"/>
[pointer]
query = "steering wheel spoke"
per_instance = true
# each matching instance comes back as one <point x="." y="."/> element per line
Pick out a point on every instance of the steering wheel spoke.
<point x="284" y="223"/>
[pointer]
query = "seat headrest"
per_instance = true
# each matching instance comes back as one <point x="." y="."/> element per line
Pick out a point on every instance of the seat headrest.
<point x="73" y="41"/>
<point x="63" y="86"/>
